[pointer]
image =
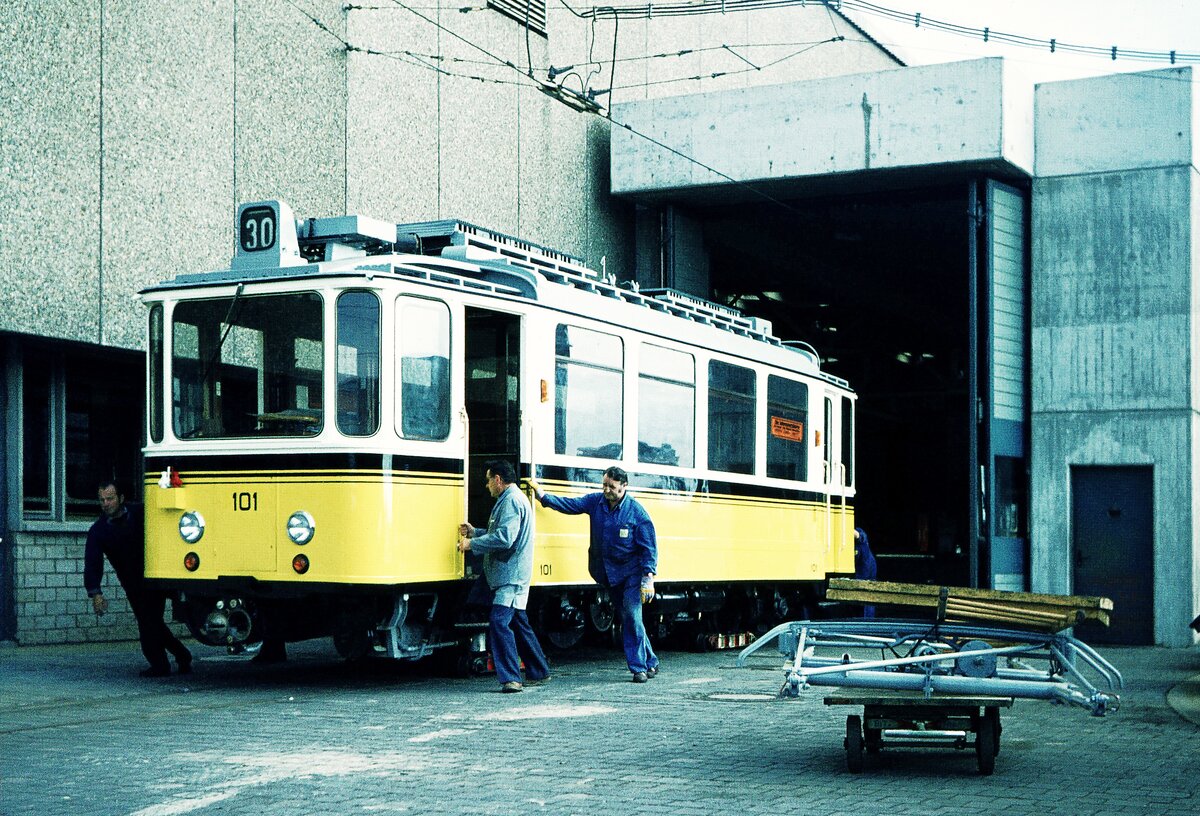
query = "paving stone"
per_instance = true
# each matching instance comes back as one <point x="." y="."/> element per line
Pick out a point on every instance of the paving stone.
<point x="81" y="733"/>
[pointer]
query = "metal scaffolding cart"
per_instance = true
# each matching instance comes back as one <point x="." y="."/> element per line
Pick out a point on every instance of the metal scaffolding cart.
<point x="938" y="682"/>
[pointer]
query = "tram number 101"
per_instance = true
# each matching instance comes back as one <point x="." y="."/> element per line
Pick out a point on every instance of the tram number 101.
<point x="245" y="501"/>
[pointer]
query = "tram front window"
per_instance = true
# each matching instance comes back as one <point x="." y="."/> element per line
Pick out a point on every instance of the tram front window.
<point x="248" y="366"/>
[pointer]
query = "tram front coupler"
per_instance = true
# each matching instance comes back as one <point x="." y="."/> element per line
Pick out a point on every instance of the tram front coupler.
<point x="226" y="621"/>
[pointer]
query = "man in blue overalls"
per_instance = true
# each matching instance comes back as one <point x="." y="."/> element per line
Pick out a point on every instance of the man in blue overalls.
<point x="622" y="555"/>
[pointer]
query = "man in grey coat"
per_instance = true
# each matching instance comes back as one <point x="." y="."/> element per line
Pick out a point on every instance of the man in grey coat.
<point x="507" y="548"/>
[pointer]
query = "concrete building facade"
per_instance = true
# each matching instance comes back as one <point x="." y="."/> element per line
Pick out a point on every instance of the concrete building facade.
<point x="132" y="130"/>
<point x="1115" y="342"/>
<point x="1095" y="185"/>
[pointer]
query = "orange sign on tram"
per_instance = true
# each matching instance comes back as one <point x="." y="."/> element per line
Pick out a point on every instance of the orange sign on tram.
<point x="787" y="429"/>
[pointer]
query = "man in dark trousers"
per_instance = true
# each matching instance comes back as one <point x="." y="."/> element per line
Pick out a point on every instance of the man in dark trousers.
<point x="622" y="555"/>
<point x="119" y="535"/>
<point x="507" y="549"/>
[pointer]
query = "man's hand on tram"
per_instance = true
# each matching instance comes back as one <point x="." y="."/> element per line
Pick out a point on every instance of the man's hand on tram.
<point x="464" y="545"/>
<point x="465" y="530"/>
<point x="537" y="489"/>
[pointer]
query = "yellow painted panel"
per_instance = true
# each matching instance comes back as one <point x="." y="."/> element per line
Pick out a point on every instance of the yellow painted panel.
<point x="710" y="539"/>
<point x="369" y="529"/>
<point x="373" y="528"/>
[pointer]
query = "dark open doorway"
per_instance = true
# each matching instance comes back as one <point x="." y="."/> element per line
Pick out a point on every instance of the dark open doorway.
<point x="493" y="342"/>
<point x="878" y="283"/>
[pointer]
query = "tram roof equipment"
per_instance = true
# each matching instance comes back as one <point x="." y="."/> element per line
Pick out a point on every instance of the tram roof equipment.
<point x="486" y="260"/>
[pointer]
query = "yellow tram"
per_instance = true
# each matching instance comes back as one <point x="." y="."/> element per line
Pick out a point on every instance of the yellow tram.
<point x="320" y="414"/>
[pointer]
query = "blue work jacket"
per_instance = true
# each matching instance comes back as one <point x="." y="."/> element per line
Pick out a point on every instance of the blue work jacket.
<point x="622" y="541"/>
<point x="507" y="543"/>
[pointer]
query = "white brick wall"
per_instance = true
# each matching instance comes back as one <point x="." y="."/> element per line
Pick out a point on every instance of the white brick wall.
<point x="51" y="603"/>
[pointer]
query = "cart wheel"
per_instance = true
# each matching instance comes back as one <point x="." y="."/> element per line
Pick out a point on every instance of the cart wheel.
<point x="854" y="744"/>
<point x="994" y="714"/>
<point x="985" y="744"/>
<point x="874" y="739"/>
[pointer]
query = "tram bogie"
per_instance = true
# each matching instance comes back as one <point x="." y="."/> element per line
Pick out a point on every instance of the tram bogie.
<point x="320" y="415"/>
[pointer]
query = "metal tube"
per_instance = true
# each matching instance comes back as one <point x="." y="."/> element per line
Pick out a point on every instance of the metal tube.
<point x="949" y="684"/>
<point x="911" y="661"/>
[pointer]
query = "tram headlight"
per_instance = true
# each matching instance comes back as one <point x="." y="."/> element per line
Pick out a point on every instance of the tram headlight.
<point x="301" y="528"/>
<point x="191" y="526"/>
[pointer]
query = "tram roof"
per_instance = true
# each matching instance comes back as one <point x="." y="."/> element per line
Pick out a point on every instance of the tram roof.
<point x="457" y="254"/>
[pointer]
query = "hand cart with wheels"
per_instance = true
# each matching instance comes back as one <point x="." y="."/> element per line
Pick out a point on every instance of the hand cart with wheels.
<point x="909" y="720"/>
<point x="922" y="681"/>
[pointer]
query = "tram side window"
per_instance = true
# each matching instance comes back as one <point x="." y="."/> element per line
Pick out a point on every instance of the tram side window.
<point x="247" y="366"/>
<point x="666" y="407"/>
<point x="423" y="336"/>
<point x="787" y="418"/>
<point x="358" y="363"/>
<point x="731" y="395"/>
<point x="588" y="402"/>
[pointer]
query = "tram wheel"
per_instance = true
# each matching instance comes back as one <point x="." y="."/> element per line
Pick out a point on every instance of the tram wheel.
<point x="352" y="644"/>
<point x="562" y="622"/>
<point x="601" y="613"/>
<point x="471" y="664"/>
<point x="854" y="744"/>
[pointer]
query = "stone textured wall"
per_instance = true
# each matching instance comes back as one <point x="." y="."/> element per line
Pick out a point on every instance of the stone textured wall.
<point x="51" y="604"/>
<point x="133" y="129"/>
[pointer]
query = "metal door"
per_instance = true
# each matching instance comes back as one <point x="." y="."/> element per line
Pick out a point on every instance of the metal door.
<point x="1112" y="549"/>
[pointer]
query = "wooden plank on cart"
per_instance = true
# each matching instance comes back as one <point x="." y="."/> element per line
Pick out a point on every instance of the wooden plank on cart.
<point x="1026" y="610"/>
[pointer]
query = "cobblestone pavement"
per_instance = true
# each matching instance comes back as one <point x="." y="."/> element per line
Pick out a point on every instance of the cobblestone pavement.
<point x="80" y="733"/>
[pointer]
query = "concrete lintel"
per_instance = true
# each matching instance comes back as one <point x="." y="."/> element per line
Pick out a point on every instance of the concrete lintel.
<point x="1116" y="122"/>
<point x="956" y="114"/>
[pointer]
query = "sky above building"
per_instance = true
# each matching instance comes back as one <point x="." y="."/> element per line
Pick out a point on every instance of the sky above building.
<point x="1155" y="26"/>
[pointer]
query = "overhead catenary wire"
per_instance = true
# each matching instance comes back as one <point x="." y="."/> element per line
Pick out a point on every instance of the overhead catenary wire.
<point x="606" y="114"/>
<point x="1110" y="51"/>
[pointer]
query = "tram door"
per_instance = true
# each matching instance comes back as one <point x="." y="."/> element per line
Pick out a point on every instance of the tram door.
<point x="835" y="479"/>
<point x="493" y="367"/>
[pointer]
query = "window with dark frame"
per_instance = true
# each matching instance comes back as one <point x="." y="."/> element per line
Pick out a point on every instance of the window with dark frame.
<point x="81" y="420"/>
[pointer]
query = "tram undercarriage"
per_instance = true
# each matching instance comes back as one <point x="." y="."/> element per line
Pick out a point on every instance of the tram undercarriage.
<point x="414" y="624"/>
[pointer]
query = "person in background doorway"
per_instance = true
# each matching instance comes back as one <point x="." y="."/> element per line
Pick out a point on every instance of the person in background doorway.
<point x="507" y="548"/>
<point x="864" y="564"/>
<point x="119" y="535"/>
<point x="622" y="555"/>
